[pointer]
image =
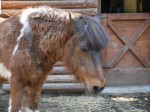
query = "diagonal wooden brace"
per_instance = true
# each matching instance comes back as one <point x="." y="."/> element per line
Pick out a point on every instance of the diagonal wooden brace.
<point x="129" y="43"/>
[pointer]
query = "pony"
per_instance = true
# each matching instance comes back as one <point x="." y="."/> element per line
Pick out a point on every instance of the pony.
<point x="32" y="41"/>
<point x="2" y="79"/>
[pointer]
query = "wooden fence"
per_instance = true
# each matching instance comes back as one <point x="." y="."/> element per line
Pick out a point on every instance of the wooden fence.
<point x="88" y="7"/>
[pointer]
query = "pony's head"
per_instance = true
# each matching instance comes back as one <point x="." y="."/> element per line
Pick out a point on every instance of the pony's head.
<point x="82" y="52"/>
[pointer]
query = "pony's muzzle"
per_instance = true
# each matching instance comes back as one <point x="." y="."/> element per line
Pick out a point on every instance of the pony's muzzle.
<point x="97" y="89"/>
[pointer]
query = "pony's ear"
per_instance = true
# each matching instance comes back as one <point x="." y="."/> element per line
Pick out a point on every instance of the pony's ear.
<point x="70" y="18"/>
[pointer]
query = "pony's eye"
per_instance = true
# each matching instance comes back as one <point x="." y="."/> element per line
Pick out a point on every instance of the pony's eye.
<point x="80" y="17"/>
<point x="84" y="49"/>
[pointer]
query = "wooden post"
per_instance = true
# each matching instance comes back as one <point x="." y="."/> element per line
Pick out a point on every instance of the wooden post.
<point x="99" y="7"/>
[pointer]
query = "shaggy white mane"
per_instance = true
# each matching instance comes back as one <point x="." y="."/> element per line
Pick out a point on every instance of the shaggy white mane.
<point x="37" y="11"/>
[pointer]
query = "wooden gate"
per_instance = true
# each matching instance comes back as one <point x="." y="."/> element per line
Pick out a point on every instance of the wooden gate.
<point x="127" y="58"/>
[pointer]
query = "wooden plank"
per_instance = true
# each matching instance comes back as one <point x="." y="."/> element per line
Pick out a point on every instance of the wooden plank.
<point x="57" y="87"/>
<point x="60" y="79"/>
<point x="128" y="16"/>
<point x="131" y="24"/>
<point x="59" y="70"/>
<point x="90" y="12"/>
<point x="117" y="31"/>
<point x="122" y="76"/>
<point x="58" y="4"/>
<point x="122" y="52"/>
<point x="143" y="43"/>
<point x="117" y="57"/>
<point x="139" y="32"/>
<point x="136" y="36"/>
<point x="53" y="0"/>
<point x="139" y="57"/>
<point x="99" y="7"/>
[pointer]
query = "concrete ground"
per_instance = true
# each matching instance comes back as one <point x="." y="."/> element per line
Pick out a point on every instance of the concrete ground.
<point x="127" y="89"/>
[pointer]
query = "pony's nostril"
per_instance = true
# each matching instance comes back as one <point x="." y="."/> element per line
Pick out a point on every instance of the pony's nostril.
<point x="97" y="89"/>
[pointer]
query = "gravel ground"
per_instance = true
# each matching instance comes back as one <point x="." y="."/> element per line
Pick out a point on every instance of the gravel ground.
<point x="81" y="103"/>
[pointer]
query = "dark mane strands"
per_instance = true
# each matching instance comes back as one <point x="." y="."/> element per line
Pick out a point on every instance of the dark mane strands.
<point x="94" y="33"/>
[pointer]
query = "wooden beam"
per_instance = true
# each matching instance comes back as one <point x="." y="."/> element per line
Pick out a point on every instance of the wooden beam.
<point x="139" y="57"/>
<point x="129" y="16"/>
<point x="55" y="0"/>
<point x="56" y="87"/>
<point x="117" y="57"/>
<point x="143" y="43"/>
<point x="60" y="79"/>
<point x="117" y="31"/>
<point x="89" y="11"/>
<point x="135" y="37"/>
<point x="58" y="4"/>
<point x="99" y="7"/>
<point x="59" y="70"/>
<point x="124" y="76"/>
<point x="139" y="32"/>
<point x="53" y="79"/>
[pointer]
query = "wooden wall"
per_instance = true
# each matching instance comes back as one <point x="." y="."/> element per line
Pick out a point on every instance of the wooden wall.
<point x="11" y="7"/>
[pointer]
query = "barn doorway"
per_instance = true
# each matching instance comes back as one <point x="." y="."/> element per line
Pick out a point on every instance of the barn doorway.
<point x="125" y="6"/>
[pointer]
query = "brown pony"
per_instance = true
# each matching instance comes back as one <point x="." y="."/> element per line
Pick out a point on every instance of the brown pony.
<point x="33" y="40"/>
<point x="2" y="79"/>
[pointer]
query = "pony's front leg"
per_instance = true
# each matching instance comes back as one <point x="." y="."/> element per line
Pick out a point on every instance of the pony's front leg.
<point x="16" y="94"/>
<point x="31" y="98"/>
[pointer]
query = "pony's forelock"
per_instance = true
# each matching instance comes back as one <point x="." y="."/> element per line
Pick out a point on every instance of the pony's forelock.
<point x="91" y="29"/>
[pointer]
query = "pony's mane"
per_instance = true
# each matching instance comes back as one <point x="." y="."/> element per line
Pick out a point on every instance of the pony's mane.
<point x="50" y="25"/>
<point x="93" y="32"/>
<point x="46" y="13"/>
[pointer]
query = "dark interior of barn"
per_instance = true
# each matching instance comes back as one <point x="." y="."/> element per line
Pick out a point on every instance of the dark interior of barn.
<point x="125" y="6"/>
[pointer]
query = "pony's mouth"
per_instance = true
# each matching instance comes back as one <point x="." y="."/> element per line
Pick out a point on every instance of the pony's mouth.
<point x="97" y="90"/>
